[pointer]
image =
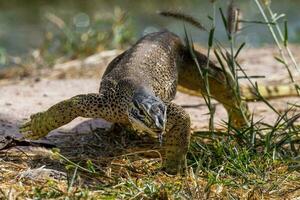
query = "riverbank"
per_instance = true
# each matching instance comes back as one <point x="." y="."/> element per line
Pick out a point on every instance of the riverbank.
<point x="117" y="154"/>
<point x="22" y="95"/>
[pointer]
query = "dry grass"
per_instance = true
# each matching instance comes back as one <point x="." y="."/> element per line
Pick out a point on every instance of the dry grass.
<point x="118" y="165"/>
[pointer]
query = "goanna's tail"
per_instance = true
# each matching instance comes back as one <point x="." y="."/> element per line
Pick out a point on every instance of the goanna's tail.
<point x="250" y="94"/>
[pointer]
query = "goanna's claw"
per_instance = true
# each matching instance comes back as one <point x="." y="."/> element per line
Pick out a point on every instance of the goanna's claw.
<point x="25" y="127"/>
<point x="29" y="132"/>
<point x="31" y="136"/>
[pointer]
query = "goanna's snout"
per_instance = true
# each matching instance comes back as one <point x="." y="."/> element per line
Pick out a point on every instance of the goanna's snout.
<point x="148" y="113"/>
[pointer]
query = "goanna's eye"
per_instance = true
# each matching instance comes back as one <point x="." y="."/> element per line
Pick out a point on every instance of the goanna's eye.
<point x="137" y="113"/>
<point x="141" y="112"/>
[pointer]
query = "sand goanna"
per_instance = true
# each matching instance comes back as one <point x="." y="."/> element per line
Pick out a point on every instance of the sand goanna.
<point x="137" y="89"/>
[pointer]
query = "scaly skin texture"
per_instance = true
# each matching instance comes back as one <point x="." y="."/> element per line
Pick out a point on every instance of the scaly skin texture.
<point x="177" y="139"/>
<point x="249" y="93"/>
<point x="150" y="67"/>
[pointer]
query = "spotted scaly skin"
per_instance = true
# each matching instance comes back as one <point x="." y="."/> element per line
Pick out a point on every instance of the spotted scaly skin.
<point x="249" y="93"/>
<point x="152" y="67"/>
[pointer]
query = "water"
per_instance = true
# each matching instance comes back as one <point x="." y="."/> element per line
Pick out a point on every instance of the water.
<point x="22" y="23"/>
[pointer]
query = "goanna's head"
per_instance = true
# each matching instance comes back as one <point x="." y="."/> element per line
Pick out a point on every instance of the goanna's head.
<point x="147" y="113"/>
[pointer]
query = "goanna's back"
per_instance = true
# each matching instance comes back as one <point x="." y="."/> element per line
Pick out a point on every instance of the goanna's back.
<point x="151" y="61"/>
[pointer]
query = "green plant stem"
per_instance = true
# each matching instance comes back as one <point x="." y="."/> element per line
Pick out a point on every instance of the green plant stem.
<point x="282" y="39"/>
<point x="274" y="37"/>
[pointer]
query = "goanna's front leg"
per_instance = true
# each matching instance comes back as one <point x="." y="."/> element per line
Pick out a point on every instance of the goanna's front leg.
<point x="177" y="139"/>
<point x="86" y="105"/>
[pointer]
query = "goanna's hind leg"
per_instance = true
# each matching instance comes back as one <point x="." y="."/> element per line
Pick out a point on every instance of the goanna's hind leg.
<point x="221" y="84"/>
<point x="85" y="105"/>
<point x="177" y="139"/>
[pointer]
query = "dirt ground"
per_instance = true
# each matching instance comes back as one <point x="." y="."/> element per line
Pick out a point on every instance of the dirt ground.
<point x="20" y="99"/>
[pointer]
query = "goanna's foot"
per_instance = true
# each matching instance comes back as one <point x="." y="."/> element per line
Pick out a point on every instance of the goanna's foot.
<point x="35" y="128"/>
<point x="174" y="167"/>
<point x="240" y="117"/>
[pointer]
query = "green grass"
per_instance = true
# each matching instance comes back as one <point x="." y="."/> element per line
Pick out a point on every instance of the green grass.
<point x="68" y="41"/>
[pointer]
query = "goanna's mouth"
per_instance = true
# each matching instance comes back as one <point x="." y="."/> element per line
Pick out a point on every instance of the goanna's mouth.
<point x="139" y="126"/>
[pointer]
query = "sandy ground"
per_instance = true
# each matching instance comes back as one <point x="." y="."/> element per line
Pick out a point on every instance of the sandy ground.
<point x="19" y="100"/>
